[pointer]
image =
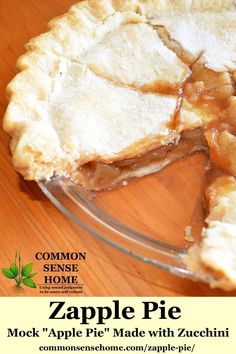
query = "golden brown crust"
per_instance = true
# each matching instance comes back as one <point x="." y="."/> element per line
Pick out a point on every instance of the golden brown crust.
<point x="49" y="57"/>
<point x="39" y="155"/>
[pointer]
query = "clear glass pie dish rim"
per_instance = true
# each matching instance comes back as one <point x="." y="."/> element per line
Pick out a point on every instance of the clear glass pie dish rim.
<point x="80" y="209"/>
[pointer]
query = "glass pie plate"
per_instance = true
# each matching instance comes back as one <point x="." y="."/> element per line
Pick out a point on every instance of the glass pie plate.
<point x="145" y="218"/>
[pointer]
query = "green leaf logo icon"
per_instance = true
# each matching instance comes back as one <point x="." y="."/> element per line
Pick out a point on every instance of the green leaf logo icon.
<point x="20" y="274"/>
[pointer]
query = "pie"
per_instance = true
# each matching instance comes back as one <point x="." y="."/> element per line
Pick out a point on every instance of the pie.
<point x="119" y="89"/>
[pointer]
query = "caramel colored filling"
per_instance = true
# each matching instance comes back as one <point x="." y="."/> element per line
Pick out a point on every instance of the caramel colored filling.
<point x="98" y="175"/>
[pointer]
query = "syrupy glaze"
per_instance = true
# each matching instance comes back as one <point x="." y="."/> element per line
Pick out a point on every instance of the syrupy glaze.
<point x="219" y="160"/>
<point x="98" y="175"/>
<point x="175" y="118"/>
<point x="161" y="87"/>
<point x="208" y="91"/>
<point x="211" y="92"/>
<point x="214" y="99"/>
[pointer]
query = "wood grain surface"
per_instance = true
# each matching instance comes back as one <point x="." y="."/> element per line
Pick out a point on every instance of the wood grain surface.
<point x="28" y="220"/>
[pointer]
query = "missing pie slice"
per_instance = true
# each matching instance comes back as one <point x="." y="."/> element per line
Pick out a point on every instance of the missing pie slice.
<point x="119" y="89"/>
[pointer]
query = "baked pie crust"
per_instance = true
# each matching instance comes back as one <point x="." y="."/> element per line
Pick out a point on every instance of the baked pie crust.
<point x="119" y="89"/>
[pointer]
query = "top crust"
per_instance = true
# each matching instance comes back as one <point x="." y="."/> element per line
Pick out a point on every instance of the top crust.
<point x="153" y="63"/>
<point x="208" y="37"/>
<point x="153" y="8"/>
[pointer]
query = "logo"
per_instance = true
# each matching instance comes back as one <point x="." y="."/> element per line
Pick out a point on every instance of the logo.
<point x="21" y="274"/>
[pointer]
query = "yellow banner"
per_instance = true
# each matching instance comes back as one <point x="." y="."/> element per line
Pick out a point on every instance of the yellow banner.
<point x="130" y="324"/>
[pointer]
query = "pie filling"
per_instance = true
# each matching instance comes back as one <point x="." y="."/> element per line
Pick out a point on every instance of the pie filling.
<point x="97" y="175"/>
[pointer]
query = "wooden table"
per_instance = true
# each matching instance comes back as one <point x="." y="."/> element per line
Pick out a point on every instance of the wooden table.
<point x="28" y="220"/>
